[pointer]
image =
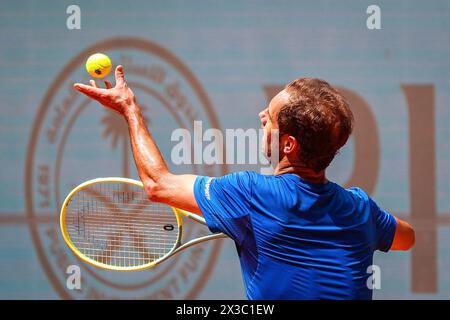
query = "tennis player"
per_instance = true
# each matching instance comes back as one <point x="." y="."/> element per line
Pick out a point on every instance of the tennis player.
<point x="297" y="234"/>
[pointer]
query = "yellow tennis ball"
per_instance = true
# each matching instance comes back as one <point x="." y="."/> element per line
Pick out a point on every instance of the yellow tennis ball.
<point x="98" y="65"/>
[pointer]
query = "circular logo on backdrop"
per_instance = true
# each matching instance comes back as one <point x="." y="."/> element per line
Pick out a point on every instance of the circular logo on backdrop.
<point x="74" y="139"/>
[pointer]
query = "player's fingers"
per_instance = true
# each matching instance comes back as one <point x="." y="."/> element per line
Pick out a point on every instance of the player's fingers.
<point x="88" y="90"/>
<point x="93" y="83"/>
<point x="91" y="96"/>
<point x="94" y="97"/>
<point x="108" y="84"/>
<point x="120" y="77"/>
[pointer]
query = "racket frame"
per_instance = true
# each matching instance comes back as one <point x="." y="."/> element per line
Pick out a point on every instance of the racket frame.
<point x="177" y="247"/>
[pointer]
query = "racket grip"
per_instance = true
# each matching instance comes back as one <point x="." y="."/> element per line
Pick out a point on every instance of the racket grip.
<point x="192" y="216"/>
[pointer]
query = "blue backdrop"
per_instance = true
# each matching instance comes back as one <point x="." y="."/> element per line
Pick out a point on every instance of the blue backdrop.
<point x="219" y="62"/>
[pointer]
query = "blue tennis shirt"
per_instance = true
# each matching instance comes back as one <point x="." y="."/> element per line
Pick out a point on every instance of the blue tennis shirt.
<point x="297" y="240"/>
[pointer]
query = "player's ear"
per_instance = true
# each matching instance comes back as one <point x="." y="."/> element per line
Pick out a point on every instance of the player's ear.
<point x="289" y="144"/>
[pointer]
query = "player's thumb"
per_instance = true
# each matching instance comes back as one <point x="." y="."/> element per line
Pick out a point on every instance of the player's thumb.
<point x="120" y="76"/>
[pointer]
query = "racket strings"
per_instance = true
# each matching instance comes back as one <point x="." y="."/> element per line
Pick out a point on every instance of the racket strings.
<point x="114" y="223"/>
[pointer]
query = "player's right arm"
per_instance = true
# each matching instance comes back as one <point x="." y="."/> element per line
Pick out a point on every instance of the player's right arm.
<point x="404" y="238"/>
<point x="160" y="184"/>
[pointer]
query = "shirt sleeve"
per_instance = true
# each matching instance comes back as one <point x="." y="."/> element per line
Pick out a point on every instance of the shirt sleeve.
<point x="225" y="203"/>
<point x="385" y="225"/>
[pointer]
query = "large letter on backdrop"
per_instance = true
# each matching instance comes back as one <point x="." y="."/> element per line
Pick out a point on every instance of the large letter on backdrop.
<point x="422" y="174"/>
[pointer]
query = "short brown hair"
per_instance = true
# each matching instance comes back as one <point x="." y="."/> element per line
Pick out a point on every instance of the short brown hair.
<point x="319" y="118"/>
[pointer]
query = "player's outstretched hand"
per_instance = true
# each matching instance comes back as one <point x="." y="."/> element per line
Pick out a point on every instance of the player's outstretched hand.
<point x="119" y="98"/>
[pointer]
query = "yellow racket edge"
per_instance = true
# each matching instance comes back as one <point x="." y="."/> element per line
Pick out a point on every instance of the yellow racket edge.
<point x="83" y="257"/>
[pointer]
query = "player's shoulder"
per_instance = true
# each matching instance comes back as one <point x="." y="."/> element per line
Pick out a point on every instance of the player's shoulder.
<point x="264" y="181"/>
<point x="237" y="180"/>
<point x="240" y="176"/>
<point x="358" y="193"/>
<point x="248" y="180"/>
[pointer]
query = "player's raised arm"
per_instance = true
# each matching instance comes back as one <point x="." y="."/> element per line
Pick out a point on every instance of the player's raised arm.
<point x="160" y="184"/>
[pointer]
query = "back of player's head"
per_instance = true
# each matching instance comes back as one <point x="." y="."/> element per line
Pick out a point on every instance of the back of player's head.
<point x="319" y="118"/>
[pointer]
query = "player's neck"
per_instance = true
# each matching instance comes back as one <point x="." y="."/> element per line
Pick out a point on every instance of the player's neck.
<point x="300" y="170"/>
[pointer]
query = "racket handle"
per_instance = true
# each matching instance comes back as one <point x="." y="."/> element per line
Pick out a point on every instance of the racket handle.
<point x="200" y="240"/>
<point x="192" y="216"/>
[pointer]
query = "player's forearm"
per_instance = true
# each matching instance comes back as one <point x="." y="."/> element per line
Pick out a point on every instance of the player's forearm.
<point x="159" y="183"/>
<point x="149" y="161"/>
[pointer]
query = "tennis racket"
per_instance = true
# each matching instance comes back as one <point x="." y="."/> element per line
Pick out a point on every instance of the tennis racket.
<point x="111" y="224"/>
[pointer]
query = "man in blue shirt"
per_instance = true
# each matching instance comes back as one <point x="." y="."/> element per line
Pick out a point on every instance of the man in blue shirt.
<point x="298" y="235"/>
